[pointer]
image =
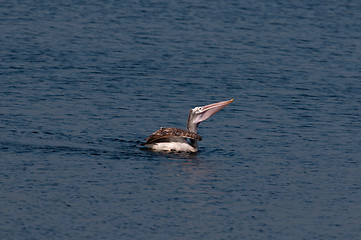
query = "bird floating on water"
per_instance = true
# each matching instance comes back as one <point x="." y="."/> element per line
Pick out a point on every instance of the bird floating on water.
<point x="175" y="139"/>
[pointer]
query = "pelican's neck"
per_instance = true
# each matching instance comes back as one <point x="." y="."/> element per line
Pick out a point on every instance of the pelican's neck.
<point x="191" y="125"/>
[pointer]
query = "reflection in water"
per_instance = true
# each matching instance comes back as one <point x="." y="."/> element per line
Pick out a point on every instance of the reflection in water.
<point x="187" y="173"/>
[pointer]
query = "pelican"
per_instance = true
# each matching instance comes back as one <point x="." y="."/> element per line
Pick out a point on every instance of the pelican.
<point x="179" y="140"/>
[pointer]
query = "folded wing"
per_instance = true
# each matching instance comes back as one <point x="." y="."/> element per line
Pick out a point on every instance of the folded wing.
<point x="164" y="133"/>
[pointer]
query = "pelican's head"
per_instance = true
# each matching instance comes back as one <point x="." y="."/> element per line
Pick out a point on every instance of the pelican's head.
<point x="200" y="114"/>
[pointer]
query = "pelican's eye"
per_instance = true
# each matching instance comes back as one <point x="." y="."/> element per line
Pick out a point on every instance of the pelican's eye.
<point x="199" y="110"/>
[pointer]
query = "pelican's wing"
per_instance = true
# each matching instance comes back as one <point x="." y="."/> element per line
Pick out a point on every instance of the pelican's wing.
<point x="164" y="133"/>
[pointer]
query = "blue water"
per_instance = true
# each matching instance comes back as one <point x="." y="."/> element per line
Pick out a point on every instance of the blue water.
<point x="83" y="83"/>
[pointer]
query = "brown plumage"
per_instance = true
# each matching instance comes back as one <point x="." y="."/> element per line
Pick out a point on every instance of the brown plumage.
<point x="164" y="133"/>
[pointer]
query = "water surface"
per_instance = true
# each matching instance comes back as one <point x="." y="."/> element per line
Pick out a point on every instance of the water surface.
<point x="84" y="83"/>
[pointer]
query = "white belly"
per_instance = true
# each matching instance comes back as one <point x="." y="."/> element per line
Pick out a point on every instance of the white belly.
<point x="179" y="145"/>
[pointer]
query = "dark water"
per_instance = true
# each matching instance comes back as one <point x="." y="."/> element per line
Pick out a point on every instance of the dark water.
<point x="83" y="83"/>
